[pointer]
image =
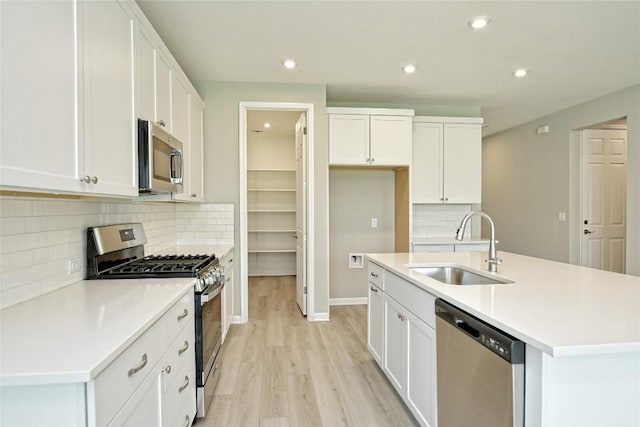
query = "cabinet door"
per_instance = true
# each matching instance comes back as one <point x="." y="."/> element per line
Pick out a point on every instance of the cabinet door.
<point x="39" y="100"/>
<point x="145" y="75"/>
<point x="462" y="163"/>
<point x="227" y="303"/>
<point x="375" y="323"/>
<point x="108" y="125"/>
<point x="163" y="91"/>
<point x="348" y="139"/>
<point x="390" y="140"/>
<point x="426" y="166"/>
<point x="395" y="345"/>
<point x="192" y="151"/>
<point x="196" y="148"/>
<point x="144" y="407"/>
<point x="179" y="109"/>
<point x="421" y="370"/>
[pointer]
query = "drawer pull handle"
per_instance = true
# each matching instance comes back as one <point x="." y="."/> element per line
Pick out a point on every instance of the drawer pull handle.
<point x="185" y="385"/>
<point x="142" y="364"/>
<point x="184" y="314"/>
<point x="374" y="274"/>
<point x="187" y="421"/>
<point x="183" y="349"/>
<point x="373" y="289"/>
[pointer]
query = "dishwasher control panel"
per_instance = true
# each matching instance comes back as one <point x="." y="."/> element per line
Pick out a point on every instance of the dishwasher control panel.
<point x="495" y="345"/>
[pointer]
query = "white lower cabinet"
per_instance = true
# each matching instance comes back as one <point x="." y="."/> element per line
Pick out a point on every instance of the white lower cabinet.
<point x="227" y="293"/>
<point x="143" y="408"/>
<point x="375" y="324"/>
<point x="407" y="347"/>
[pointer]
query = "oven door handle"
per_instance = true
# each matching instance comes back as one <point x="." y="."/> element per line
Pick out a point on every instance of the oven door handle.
<point x="211" y="294"/>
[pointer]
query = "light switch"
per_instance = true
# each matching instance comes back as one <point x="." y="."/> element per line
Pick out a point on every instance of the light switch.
<point x="562" y="216"/>
<point x="374" y="222"/>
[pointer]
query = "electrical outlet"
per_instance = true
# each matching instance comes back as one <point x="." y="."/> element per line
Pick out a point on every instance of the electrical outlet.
<point x="73" y="265"/>
<point x="374" y="222"/>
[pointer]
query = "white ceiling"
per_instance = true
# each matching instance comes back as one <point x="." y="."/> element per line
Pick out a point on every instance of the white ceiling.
<point x="575" y="50"/>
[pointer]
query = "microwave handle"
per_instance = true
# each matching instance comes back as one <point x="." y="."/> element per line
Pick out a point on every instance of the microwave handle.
<point x="176" y="166"/>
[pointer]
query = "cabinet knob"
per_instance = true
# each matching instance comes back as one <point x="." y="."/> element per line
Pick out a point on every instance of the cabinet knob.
<point x="94" y="180"/>
<point x="446" y="199"/>
<point x="374" y="274"/>
<point x="161" y="123"/>
<point x="371" y="160"/>
<point x="194" y="195"/>
<point x="86" y="179"/>
<point x="374" y="289"/>
<point x="167" y="369"/>
<point x="401" y="317"/>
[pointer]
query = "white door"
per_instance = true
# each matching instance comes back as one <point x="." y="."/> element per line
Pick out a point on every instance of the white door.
<point x="604" y="199"/>
<point x="301" y="237"/>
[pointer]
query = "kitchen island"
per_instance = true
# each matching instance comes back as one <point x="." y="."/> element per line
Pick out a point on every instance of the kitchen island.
<point x="581" y="328"/>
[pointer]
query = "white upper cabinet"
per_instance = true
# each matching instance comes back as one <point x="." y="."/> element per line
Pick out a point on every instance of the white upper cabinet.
<point x="39" y="144"/>
<point x="163" y="91"/>
<point x="73" y="129"/>
<point x="192" y="150"/>
<point x="109" y="120"/>
<point x="447" y="160"/>
<point x="179" y="109"/>
<point x="145" y="74"/>
<point x="369" y="137"/>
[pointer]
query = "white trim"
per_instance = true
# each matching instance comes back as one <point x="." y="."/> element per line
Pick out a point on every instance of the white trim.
<point x="318" y="317"/>
<point x="308" y="108"/>
<point x="443" y="119"/>
<point x="349" y="301"/>
<point x="236" y="319"/>
<point x="371" y="111"/>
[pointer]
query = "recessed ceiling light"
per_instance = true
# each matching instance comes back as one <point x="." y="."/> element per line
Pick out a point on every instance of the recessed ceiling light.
<point x="409" y="68"/>
<point x="267" y="125"/>
<point x="521" y="72"/>
<point x="289" y="64"/>
<point x="479" y="22"/>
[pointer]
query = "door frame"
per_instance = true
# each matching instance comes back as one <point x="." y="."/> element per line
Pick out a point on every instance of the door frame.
<point x="578" y="135"/>
<point x="244" y="108"/>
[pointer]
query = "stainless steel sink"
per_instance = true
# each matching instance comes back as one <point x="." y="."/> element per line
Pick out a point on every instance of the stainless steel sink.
<point x="452" y="275"/>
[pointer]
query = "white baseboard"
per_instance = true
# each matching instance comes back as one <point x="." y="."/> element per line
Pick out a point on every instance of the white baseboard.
<point x="318" y="317"/>
<point x="236" y="319"/>
<point x="348" y="301"/>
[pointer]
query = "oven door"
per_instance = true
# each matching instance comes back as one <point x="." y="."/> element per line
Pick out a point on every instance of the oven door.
<point x="208" y="343"/>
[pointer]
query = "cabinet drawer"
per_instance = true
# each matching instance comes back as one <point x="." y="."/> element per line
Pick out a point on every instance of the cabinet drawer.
<point x="179" y="391"/>
<point x="376" y="275"/>
<point x="227" y="262"/>
<point x="180" y="356"/>
<point x="113" y="386"/>
<point x="433" y="248"/>
<point x="480" y="247"/>
<point x="179" y="316"/>
<point x="418" y="301"/>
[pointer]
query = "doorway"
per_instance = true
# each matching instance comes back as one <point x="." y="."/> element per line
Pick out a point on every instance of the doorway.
<point x="276" y="222"/>
<point x="603" y="187"/>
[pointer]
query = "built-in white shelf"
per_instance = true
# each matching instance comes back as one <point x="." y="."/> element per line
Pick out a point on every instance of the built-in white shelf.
<point x="271" y="203"/>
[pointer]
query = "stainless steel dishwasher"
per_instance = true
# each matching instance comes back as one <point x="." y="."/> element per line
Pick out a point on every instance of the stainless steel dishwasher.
<point x="480" y="372"/>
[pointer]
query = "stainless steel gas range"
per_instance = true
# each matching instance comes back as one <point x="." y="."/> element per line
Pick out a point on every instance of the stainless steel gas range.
<point x="117" y="252"/>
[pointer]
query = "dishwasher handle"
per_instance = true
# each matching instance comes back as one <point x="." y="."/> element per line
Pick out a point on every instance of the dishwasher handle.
<point x="499" y="342"/>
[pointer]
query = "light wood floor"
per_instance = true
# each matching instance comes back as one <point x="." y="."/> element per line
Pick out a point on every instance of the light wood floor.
<point x="281" y="370"/>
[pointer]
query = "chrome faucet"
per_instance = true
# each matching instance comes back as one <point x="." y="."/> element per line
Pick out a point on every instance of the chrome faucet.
<point x="493" y="260"/>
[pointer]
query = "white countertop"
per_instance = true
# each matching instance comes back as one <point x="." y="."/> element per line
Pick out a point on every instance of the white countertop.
<point x="561" y="309"/>
<point x="73" y="333"/>
<point x="448" y="240"/>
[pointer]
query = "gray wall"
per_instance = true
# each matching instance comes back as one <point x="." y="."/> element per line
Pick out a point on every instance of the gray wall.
<point x="221" y="158"/>
<point x="356" y="196"/>
<point x="528" y="178"/>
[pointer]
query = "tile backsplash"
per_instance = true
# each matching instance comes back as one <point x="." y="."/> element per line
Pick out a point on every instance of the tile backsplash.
<point x="39" y="236"/>
<point x="438" y="220"/>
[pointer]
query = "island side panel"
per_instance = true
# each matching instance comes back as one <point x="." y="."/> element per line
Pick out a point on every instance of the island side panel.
<point x="42" y="405"/>
<point x="585" y="390"/>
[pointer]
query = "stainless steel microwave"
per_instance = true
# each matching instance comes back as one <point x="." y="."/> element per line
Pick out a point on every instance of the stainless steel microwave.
<point x="159" y="160"/>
